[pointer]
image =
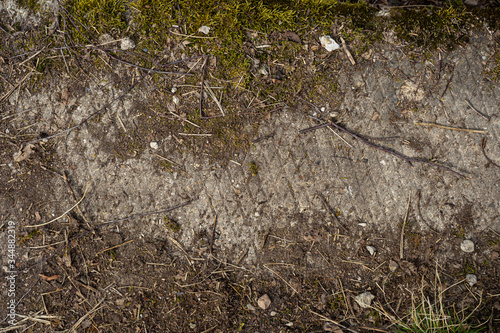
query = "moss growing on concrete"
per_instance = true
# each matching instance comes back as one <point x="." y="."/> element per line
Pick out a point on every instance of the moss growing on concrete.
<point x="253" y="168"/>
<point x="430" y="28"/>
<point x="237" y="30"/>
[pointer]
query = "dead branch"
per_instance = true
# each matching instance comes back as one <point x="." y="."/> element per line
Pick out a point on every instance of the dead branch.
<point x="409" y="160"/>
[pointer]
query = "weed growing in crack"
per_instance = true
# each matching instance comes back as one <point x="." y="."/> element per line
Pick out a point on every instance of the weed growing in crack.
<point x="429" y="313"/>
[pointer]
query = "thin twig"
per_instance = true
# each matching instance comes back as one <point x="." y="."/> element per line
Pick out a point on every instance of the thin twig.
<point x="211" y="93"/>
<point x="420" y="214"/>
<point x="65" y="177"/>
<point x="479" y="113"/>
<point x="346" y="300"/>
<point x="157" y="212"/>
<point x="483" y="146"/>
<point x="450" y="128"/>
<point x="5" y="31"/>
<point x="440" y="66"/>
<point x="114" y="247"/>
<point x="447" y="84"/>
<point x="357" y="263"/>
<point x="401" y="243"/>
<point x="387" y="150"/>
<point x="330" y="210"/>
<point x="349" y="55"/>
<point x="213" y="234"/>
<point x="191" y="36"/>
<point x="202" y="86"/>
<point x="166" y="159"/>
<point x="184" y="119"/>
<point x="195" y="134"/>
<point x="31" y="57"/>
<point x="373" y="329"/>
<point x="336" y="134"/>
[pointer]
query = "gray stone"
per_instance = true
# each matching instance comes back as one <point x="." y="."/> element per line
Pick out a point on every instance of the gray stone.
<point x="264" y="301"/>
<point x="364" y="300"/>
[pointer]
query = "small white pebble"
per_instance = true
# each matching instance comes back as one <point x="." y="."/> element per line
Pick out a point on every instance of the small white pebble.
<point x="264" y="301"/>
<point x="204" y="29"/>
<point x="328" y="43"/>
<point x="467" y="246"/>
<point x="153" y="145"/>
<point x="250" y="307"/>
<point x="371" y="249"/>
<point x="323" y="109"/>
<point x="175" y="99"/>
<point x="471" y="278"/>
<point x="362" y="224"/>
<point x="273" y="313"/>
<point x="127" y="44"/>
<point x="173" y="90"/>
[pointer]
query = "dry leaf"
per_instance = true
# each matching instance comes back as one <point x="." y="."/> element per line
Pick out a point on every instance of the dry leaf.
<point x="292" y="36"/>
<point x="49" y="278"/>
<point x="23" y="153"/>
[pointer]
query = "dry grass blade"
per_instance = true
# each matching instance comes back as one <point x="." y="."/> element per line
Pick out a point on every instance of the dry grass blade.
<point x="114" y="247"/>
<point x="181" y="248"/>
<point x="80" y="321"/>
<point x="333" y="321"/>
<point x="43" y="319"/>
<point x="432" y="315"/>
<point x="288" y="284"/>
<point x="195" y="134"/>
<point x="401" y="243"/>
<point x="11" y="328"/>
<point x="451" y="128"/>
<point x="62" y="215"/>
<point x="211" y="93"/>
<point x="10" y="92"/>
